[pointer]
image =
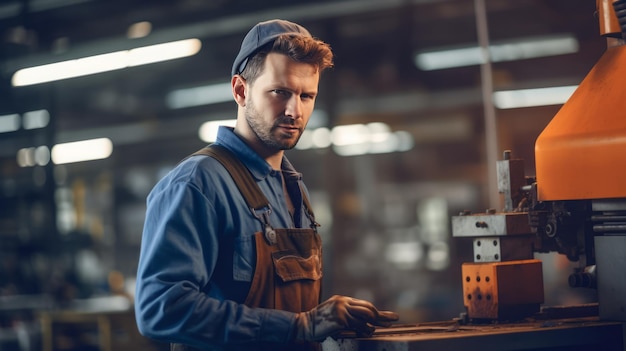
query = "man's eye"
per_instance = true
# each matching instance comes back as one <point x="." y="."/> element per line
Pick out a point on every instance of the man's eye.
<point x="281" y="92"/>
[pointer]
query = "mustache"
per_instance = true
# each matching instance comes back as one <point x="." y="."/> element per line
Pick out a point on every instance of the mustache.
<point x="288" y="121"/>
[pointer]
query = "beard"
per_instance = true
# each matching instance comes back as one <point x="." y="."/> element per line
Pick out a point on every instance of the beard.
<point x="269" y="133"/>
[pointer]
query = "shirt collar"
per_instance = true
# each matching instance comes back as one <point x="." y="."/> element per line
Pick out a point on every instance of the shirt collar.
<point x="259" y="168"/>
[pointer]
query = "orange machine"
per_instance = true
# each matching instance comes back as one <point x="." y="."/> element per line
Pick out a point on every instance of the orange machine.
<point x="581" y="154"/>
<point x="575" y="206"/>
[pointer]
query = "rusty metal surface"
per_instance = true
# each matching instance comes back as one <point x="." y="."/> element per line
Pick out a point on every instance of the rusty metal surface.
<point x="502" y="290"/>
<point x="497" y="224"/>
<point x="509" y="248"/>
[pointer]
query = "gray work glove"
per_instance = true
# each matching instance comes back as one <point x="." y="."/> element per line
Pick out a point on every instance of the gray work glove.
<point x="341" y="313"/>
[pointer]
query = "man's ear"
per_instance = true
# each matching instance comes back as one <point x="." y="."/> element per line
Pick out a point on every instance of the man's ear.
<point x="238" y="84"/>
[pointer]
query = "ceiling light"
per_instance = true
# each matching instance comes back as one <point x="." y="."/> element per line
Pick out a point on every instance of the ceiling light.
<point x="197" y="96"/>
<point x="139" y="30"/>
<point x="106" y="62"/>
<point x="511" y="50"/>
<point x="33" y="156"/>
<point x="371" y="138"/>
<point x="79" y="151"/>
<point x="346" y="140"/>
<point x="163" y="52"/>
<point x="350" y="134"/>
<point x="26" y="157"/>
<point x="36" y="119"/>
<point x="533" y="97"/>
<point x="9" y="123"/>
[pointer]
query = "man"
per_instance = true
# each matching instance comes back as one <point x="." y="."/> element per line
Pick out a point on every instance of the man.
<point x="230" y="256"/>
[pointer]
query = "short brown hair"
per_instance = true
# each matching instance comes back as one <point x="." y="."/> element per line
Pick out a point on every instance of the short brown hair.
<point x="299" y="48"/>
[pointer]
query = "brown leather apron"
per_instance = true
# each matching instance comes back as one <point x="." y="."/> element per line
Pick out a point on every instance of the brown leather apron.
<point x="288" y="261"/>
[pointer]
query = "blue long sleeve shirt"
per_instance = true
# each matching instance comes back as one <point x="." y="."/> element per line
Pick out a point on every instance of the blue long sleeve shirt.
<point x="198" y="256"/>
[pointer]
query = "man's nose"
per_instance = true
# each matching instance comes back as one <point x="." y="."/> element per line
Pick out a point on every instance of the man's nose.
<point x="294" y="107"/>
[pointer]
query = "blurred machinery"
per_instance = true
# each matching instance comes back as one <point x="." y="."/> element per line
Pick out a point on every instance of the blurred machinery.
<point x="504" y="282"/>
<point x="575" y="206"/>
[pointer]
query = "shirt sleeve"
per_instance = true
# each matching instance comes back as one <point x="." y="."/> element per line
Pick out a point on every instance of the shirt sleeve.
<point x="178" y="256"/>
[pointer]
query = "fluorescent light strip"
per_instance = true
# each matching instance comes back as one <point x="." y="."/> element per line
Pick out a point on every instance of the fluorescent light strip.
<point x="533" y="97"/>
<point x="36" y="119"/>
<point x="163" y="52"/>
<point x="106" y="62"/>
<point x="506" y="51"/>
<point x="346" y="140"/>
<point x="79" y="151"/>
<point x="9" y="123"/>
<point x="371" y="138"/>
<point x="31" y="156"/>
<point x="30" y="120"/>
<point x="203" y="95"/>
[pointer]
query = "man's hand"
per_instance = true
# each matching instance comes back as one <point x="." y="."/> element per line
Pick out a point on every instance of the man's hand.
<point x="340" y="313"/>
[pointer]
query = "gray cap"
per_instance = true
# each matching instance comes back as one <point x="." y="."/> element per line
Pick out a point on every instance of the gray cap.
<point x="262" y="34"/>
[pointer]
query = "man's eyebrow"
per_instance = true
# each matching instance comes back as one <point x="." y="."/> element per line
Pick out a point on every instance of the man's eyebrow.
<point x="286" y="88"/>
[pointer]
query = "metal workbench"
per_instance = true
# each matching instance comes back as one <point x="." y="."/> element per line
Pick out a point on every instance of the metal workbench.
<point x="572" y="334"/>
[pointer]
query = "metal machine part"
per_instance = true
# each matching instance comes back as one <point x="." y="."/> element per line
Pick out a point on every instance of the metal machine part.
<point x="611" y="277"/>
<point x="496" y="236"/>
<point x="511" y="182"/>
<point x="589" y="232"/>
<point x="504" y="282"/>
<point x="502" y="290"/>
<point x="576" y="206"/>
<point x="487" y="250"/>
<point x="580" y="154"/>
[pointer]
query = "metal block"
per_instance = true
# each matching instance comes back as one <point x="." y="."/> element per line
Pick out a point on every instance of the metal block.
<point x="498" y="224"/>
<point x="611" y="274"/>
<point x="511" y="179"/>
<point x="608" y="205"/>
<point x="487" y="250"/>
<point x="504" y="248"/>
<point x="502" y="290"/>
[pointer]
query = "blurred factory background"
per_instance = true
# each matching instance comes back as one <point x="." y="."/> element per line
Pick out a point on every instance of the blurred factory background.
<point x="406" y="133"/>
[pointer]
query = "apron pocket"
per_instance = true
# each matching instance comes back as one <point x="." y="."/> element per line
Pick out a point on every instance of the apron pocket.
<point x="290" y="267"/>
<point x="243" y="259"/>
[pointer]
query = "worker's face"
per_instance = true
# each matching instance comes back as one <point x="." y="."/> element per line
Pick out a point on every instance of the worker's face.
<point x="280" y="101"/>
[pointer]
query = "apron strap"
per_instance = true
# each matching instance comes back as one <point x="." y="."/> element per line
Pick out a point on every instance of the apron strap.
<point x="309" y="209"/>
<point x="248" y="187"/>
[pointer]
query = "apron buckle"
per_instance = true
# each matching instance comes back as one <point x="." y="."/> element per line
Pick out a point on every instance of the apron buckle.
<point x="264" y="217"/>
<point x="270" y="235"/>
